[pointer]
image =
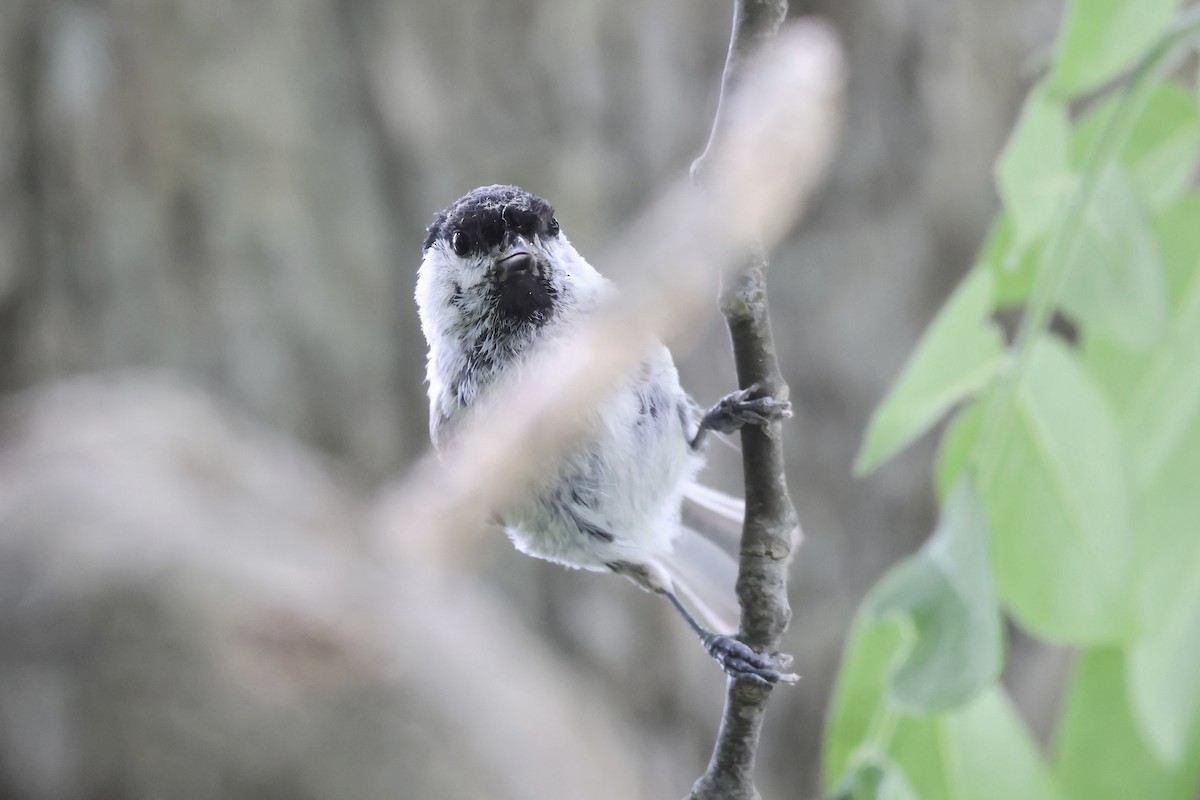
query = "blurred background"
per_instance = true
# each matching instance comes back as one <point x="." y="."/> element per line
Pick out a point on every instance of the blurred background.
<point x="210" y="224"/>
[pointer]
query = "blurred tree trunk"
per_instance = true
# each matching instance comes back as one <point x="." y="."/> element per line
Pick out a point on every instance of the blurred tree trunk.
<point x="196" y="185"/>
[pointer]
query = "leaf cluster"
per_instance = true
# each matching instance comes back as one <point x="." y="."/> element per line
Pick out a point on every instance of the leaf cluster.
<point x="1069" y="471"/>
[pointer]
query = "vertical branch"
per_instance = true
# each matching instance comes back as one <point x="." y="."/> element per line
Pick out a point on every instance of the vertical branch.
<point x="771" y="524"/>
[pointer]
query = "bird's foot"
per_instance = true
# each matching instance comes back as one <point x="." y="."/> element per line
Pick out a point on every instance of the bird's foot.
<point x="740" y="662"/>
<point x="742" y="408"/>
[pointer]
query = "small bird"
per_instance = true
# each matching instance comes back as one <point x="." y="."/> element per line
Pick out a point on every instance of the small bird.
<point x="497" y="277"/>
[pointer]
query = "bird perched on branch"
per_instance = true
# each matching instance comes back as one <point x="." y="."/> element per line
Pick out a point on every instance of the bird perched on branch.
<point x="498" y="276"/>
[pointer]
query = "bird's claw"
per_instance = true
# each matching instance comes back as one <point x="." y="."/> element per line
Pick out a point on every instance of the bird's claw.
<point x="741" y="408"/>
<point x="741" y="662"/>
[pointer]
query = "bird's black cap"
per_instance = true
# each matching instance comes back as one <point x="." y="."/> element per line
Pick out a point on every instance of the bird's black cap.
<point x="490" y="215"/>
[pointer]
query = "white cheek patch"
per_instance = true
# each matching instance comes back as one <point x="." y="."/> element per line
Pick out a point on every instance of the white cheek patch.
<point x="445" y="284"/>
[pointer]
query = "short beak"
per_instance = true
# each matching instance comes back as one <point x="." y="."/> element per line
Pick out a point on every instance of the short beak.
<point x="516" y="260"/>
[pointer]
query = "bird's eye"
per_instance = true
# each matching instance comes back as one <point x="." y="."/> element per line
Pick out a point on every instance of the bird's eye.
<point x="458" y="240"/>
<point x="553" y="226"/>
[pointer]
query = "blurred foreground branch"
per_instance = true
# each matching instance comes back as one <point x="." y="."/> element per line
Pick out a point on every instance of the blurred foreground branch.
<point x="770" y="531"/>
<point x="187" y="610"/>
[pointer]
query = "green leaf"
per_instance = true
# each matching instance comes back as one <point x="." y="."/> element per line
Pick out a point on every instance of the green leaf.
<point x="1156" y="392"/>
<point x="1034" y="173"/>
<point x="1116" y="370"/>
<point x="1013" y="272"/>
<point x="1058" y="507"/>
<point x="1177" y="231"/>
<point x="1098" y="752"/>
<point x="1157" y="397"/>
<point x="1164" y="677"/>
<point x="954" y="452"/>
<point x="1163" y="147"/>
<point x="857" y="712"/>
<point x="1102" y="38"/>
<point x="1116" y="288"/>
<point x="958" y="354"/>
<point x="945" y="593"/>
<point x="1167" y="391"/>
<point x="978" y="752"/>
<point x="991" y="755"/>
<point x="875" y="778"/>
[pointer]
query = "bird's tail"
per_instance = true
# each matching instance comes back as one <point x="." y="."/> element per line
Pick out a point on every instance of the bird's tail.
<point x="703" y="565"/>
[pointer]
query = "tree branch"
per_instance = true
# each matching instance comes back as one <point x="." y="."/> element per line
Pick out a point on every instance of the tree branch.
<point x="771" y="530"/>
<point x="755" y="22"/>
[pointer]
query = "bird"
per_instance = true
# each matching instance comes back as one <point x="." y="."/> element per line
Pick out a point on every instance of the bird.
<point x="498" y="277"/>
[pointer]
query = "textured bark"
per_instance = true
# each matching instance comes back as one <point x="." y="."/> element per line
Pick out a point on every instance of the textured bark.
<point x="770" y="528"/>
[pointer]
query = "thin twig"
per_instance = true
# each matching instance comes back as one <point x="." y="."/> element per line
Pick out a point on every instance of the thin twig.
<point x="771" y="530"/>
